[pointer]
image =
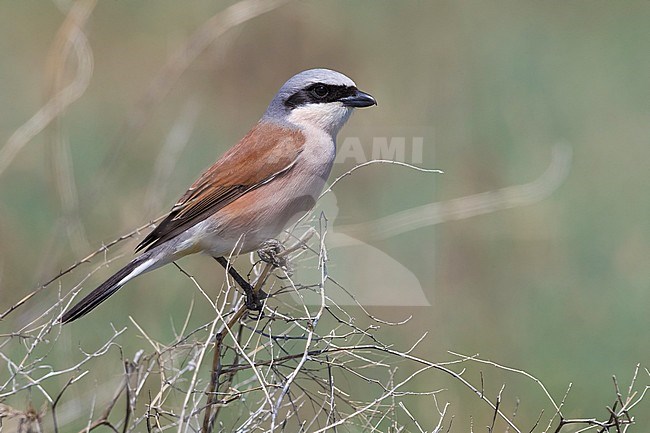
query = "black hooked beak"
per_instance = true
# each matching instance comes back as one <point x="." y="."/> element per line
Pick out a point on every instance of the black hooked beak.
<point x="358" y="99"/>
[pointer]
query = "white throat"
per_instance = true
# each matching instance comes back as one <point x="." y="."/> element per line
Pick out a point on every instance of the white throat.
<point x="329" y="117"/>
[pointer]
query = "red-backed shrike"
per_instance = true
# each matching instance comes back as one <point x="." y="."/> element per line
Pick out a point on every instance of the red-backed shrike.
<point x="271" y="177"/>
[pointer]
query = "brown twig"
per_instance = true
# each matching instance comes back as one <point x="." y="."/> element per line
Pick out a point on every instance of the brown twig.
<point x="103" y="418"/>
<point x="216" y="371"/>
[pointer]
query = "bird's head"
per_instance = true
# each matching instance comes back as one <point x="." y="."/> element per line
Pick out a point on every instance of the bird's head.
<point x="319" y="98"/>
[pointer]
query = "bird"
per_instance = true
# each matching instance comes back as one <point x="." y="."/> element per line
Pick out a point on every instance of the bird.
<point x="270" y="178"/>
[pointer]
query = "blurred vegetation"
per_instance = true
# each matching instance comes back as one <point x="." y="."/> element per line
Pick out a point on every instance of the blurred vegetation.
<point x="560" y="289"/>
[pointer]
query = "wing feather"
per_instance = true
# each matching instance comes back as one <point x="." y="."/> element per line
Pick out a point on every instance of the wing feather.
<point x="266" y="152"/>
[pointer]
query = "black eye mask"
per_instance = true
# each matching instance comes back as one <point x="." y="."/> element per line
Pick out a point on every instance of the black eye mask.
<point x="319" y="93"/>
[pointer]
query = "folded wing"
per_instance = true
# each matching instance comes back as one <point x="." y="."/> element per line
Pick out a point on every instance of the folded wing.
<point x="266" y="152"/>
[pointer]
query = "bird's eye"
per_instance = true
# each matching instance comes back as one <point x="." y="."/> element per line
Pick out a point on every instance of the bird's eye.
<point x="320" y="91"/>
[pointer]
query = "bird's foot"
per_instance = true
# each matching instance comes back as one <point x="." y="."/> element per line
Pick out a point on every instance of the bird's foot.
<point x="271" y="252"/>
<point x="254" y="297"/>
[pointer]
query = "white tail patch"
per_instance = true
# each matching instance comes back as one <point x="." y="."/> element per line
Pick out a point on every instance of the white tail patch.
<point x="143" y="267"/>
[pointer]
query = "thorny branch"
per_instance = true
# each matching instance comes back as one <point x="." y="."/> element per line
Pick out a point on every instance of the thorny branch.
<point x="293" y="367"/>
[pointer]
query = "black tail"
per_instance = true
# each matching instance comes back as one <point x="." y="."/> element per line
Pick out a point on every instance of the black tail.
<point x="103" y="292"/>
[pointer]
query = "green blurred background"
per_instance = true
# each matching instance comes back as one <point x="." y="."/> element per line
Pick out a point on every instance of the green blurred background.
<point x="560" y="288"/>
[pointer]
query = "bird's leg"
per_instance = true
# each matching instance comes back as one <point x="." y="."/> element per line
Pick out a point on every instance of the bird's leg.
<point x="253" y="298"/>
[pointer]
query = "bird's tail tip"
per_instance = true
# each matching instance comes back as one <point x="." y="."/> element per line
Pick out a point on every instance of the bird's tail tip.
<point x="106" y="289"/>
